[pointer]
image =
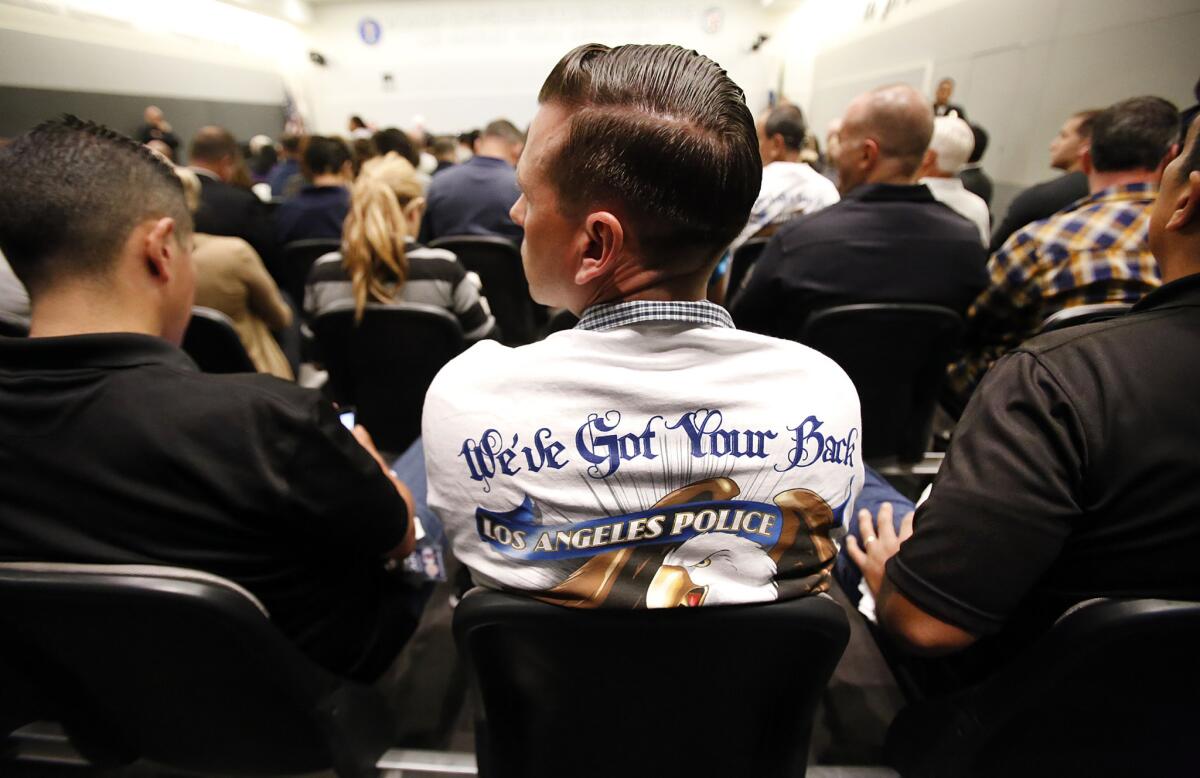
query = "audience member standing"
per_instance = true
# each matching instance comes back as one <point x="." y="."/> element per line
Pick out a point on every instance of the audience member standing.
<point x="1050" y="197"/>
<point x="445" y="151"/>
<point x="320" y="208"/>
<point x="1094" y="252"/>
<point x="1072" y="474"/>
<point x="117" y="450"/>
<point x="948" y="151"/>
<point x="231" y="278"/>
<point x="284" y="177"/>
<point x="156" y="127"/>
<point x="789" y="187"/>
<point x="226" y="209"/>
<point x="474" y="198"/>
<point x="941" y="100"/>
<point x="888" y="240"/>
<point x="380" y="261"/>
<point x="973" y="176"/>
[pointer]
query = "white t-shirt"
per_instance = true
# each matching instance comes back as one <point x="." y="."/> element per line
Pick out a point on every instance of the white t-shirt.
<point x="788" y="190"/>
<point x="657" y="464"/>
<point x="965" y="203"/>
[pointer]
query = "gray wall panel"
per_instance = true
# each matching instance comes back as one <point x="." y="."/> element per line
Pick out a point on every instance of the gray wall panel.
<point x="21" y="108"/>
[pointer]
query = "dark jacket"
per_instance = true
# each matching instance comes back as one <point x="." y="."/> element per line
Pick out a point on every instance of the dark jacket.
<point x="881" y="243"/>
<point x="229" y="210"/>
<point x="1038" y="202"/>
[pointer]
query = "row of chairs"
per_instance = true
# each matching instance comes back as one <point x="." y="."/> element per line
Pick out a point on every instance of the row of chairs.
<point x="184" y="669"/>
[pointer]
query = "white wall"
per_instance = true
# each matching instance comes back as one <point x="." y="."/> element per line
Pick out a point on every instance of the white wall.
<point x="1021" y="66"/>
<point x="461" y="63"/>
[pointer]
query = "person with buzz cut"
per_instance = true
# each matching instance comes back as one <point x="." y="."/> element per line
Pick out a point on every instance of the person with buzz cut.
<point x="116" y="449"/>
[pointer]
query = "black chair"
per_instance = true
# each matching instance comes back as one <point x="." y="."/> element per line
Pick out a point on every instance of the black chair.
<point x="13" y="328"/>
<point x="497" y="262"/>
<point x="1110" y="690"/>
<point x="717" y="691"/>
<point x="1083" y="314"/>
<point x="743" y="259"/>
<point x="183" y="669"/>
<point x="213" y="343"/>
<point x="298" y="258"/>
<point x="896" y="355"/>
<point x="384" y="364"/>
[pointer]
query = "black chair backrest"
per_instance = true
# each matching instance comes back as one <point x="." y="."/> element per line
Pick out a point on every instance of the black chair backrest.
<point x="743" y="259"/>
<point x="13" y="328"/>
<point x="1083" y="314"/>
<point x="716" y="691"/>
<point x="298" y="258"/>
<point x="213" y="343"/>
<point x="1111" y="689"/>
<point x="497" y="262"/>
<point x="183" y="669"/>
<point x="896" y="355"/>
<point x="384" y="364"/>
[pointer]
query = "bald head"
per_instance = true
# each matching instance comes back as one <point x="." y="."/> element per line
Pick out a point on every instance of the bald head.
<point x="883" y="137"/>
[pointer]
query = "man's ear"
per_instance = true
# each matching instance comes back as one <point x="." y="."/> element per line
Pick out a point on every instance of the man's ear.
<point x="161" y="250"/>
<point x="869" y="156"/>
<point x="605" y="237"/>
<point x="1184" y="209"/>
<point x="1085" y="161"/>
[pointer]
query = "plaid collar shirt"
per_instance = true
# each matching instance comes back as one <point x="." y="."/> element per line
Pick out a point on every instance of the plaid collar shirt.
<point x="1095" y="251"/>
<point x="600" y="318"/>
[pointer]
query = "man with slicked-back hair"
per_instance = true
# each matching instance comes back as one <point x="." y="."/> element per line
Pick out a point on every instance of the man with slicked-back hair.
<point x="116" y="449"/>
<point x="888" y="240"/>
<point x="653" y="456"/>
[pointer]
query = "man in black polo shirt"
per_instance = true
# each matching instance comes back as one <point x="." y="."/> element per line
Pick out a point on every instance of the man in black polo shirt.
<point x="115" y="449"/>
<point x="1072" y="474"/>
<point x="888" y="240"/>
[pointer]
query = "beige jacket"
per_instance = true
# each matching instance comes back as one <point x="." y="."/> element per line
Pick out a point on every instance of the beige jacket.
<point x="231" y="278"/>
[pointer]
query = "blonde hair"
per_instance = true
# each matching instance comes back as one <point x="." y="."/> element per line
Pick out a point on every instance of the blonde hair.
<point x="191" y="187"/>
<point x="376" y="229"/>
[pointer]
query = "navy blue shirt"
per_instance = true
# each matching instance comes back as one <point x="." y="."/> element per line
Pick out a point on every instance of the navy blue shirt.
<point x="317" y="212"/>
<point x="279" y="175"/>
<point x="473" y="198"/>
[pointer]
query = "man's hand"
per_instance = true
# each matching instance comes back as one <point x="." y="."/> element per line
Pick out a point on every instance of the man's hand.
<point x="410" y="538"/>
<point x="878" y="546"/>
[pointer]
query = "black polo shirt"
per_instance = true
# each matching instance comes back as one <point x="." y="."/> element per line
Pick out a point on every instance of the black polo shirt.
<point x="882" y="243"/>
<point x="115" y="449"/>
<point x="1074" y="473"/>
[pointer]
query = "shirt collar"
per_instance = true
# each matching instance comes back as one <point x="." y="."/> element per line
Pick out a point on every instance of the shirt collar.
<point x="205" y="173"/>
<point x="1141" y="191"/>
<point x="600" y="318"/>
<point x="897" y="192"/>
<point x="102" y="350"/>
<point x="1180" y="292"/>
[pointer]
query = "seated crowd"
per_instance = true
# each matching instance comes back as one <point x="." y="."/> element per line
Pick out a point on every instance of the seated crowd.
<point x="670" y="450"/>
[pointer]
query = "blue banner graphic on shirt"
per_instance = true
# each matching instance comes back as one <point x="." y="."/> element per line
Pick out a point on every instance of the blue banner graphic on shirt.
<point x="516" y="534"/>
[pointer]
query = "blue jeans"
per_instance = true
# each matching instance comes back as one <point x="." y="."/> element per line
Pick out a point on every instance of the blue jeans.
<point x="875" y="492"/>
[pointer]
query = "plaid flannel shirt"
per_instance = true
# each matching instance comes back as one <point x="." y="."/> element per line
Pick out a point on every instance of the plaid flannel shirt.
<point x="599" y="318"/>
<point x="1094" y="251"/>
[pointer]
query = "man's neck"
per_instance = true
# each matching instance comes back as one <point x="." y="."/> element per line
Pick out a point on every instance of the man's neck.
<point x="1098" y="182"/>
<point x="205" y="169"/>
<point x="636" y="284"/>
<point x="88" y="307"/>
<point x="328" y="179"/>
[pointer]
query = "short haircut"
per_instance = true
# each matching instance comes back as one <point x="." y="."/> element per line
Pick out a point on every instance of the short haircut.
<point x="325" y="155"/>
<point x="396" y="140"/>
<point x="1134" y="134"/>
<point x="444" y="145"/>
<point x="788" y="122"/>
<point x="291" y="143"/>
<point x="212" y="144"/>
<point x="504" y="130"/>
<point x="1086" y="119"/>
<point x="981" y="144"/>
<point x="953" y="141"/>
<point x="71" y="192"/>
<point x="665" y="134"/>
<point x="901" y="124"/>
<point x="468" y="138"/>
